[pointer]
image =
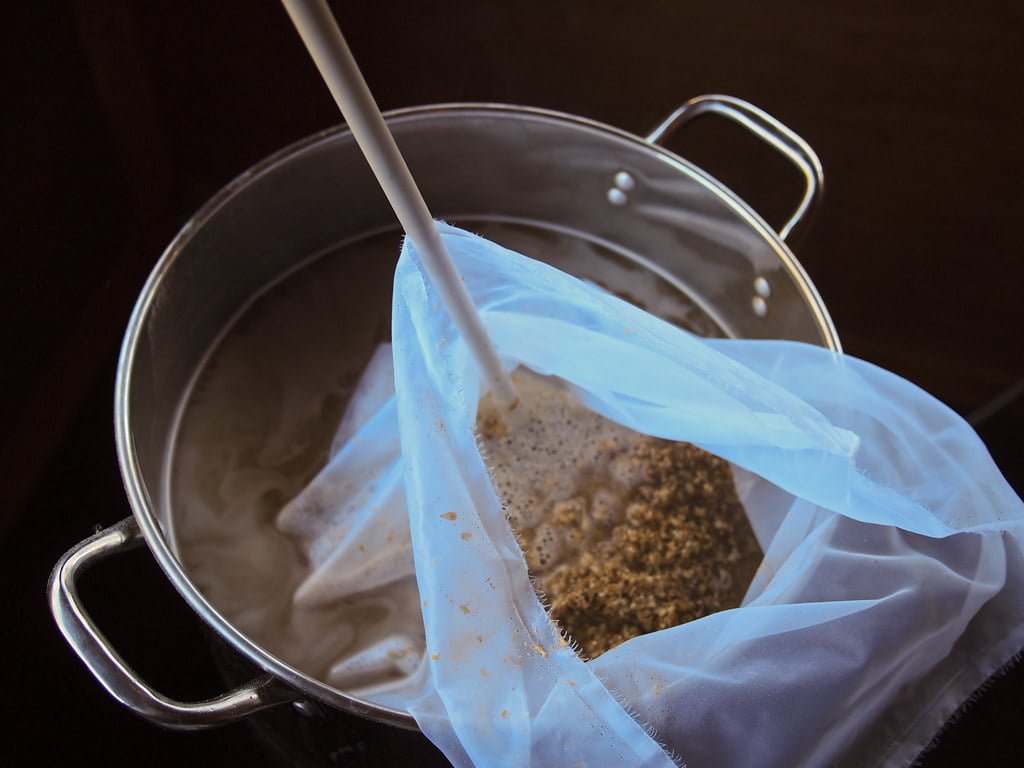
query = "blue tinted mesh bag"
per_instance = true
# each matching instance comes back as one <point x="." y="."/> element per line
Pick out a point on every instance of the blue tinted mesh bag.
<point x="892" y="584"/>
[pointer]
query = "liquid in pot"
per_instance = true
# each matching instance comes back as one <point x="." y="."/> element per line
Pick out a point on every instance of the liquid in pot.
<point x="257" y="425"/>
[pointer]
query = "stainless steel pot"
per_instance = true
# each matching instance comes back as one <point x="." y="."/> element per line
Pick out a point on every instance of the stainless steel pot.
<point x="473" y="162"/>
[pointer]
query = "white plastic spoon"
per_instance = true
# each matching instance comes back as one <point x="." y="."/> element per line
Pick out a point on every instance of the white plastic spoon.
<point x="322" y="37"/>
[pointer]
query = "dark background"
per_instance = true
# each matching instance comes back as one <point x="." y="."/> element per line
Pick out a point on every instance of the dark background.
<point x="122" y="117"/>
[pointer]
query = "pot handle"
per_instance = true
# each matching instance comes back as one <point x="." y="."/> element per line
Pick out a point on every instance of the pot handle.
<point x="769" y="130"/>
<point x="111" y="670"/>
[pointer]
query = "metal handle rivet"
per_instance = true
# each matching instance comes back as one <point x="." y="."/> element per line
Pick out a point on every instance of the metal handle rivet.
<point x="625" y="181"/>
<point x="617" y="197"/>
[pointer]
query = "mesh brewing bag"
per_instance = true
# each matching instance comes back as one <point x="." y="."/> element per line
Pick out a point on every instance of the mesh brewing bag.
<point x="892" y="583"/>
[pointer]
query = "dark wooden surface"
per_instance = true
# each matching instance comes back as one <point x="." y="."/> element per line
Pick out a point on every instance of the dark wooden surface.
<point x="122" y="117"/>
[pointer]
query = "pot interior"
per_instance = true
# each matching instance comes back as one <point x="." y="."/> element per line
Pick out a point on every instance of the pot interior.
<point x="259" y="318"/>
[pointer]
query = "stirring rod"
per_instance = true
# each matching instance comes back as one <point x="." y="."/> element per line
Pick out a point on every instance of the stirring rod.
<point x="322" y="37"/>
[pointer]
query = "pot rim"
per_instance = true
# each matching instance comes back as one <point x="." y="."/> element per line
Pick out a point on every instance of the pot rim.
<point x="139" y="497"/>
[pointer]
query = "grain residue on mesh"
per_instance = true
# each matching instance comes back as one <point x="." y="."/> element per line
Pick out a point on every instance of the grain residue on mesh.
<point x="625" y="534"/>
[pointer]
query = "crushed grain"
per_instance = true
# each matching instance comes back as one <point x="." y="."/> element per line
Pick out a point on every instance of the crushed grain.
<point x="625" y="534"/>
